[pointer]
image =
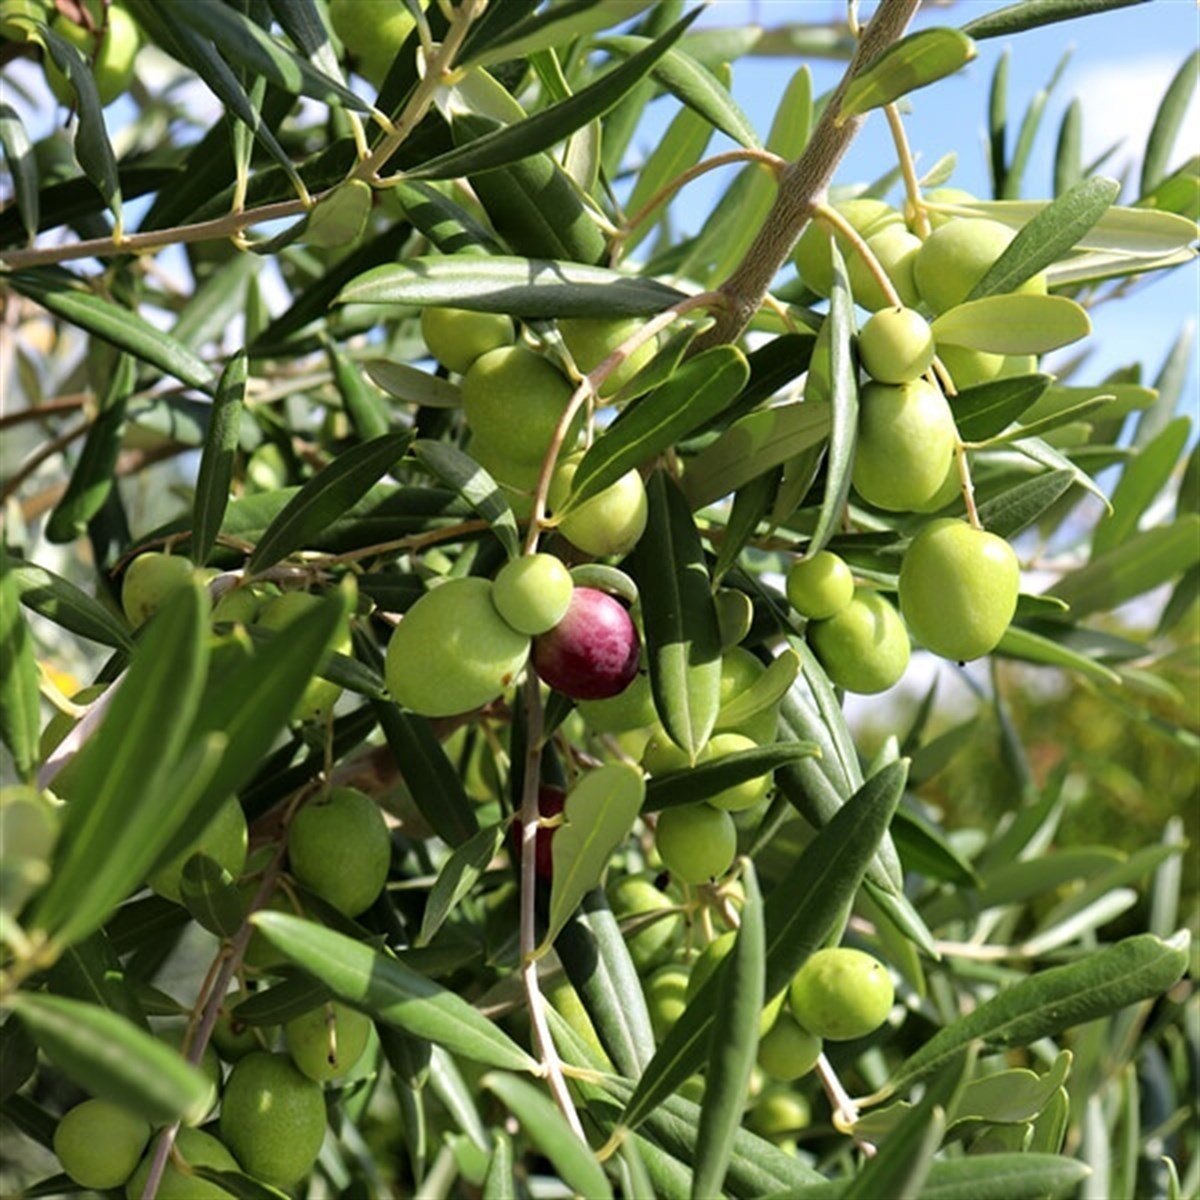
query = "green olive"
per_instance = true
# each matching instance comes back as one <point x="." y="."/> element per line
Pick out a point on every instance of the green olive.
<point x="743" y="795"/>
<point x="864" y="648"/>
<point x="787" y="1051"/>
<point x="735" y="615"/>
<point x="653" y="945"/>
<point x="592" y="339"/>
<point x="457" y="337"/>
<point x="778" y="1112"/>
<point x="223" y="839"/>
<point x="611" y="522"/>
<point x="841" y="994"/>
<point x="149" y="580"/>
<point x="968" y="368"/>
<point x="326" y="1042"/>
<point x="820" y="586"/>
<point x="958" y="589"/>
<point x="320" y="695"/>
<point x="906" y="440"/>
<point x="453" y="652"/>
<point x="710" y="958"/>
<point x="196" y="1149"/>
<point x="666" y="997"/>
<point x="111" y="61"/>
<point x="740" y="671"/>
<point x="896" y="345"/>
<point x="895" y="249"/>
<point x="99" y="1144"/>
<point x="273" y="1118"/>
<point x="957" y="255"/>
<point x="813" y="259"/>
<point x="533" y="593"/>
<point x="340" y="849"/>
<point x="512" y="399"/>
<point x="239" y="605"/>
<point x="373" y="31"/>
<point x="233" y="1038"/>
<point x="696" y="841"/>
<point x="631" y="709"/>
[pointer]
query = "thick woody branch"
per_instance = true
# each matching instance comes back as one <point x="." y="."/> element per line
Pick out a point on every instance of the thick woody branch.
<point x="802" y="184"/>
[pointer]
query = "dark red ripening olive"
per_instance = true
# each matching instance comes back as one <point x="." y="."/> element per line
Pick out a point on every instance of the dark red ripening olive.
<point x="592" y="653"/>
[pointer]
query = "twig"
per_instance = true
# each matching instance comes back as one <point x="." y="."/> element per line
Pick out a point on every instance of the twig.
<point x="530" y="819"/>
<point x="908" y="169"/>
<point x="45" y="451"/>
<point x="803" y="183"/>
<point x="38" y="412"/>
<point x="845" y="1111"/>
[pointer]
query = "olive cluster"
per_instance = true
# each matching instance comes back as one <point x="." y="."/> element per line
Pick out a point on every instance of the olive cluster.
<point x="958" y="584"/>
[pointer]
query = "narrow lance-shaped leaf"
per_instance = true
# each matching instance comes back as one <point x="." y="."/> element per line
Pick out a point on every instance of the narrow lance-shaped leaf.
<point x="682" y="636"/>
<point x="599" y="813"/>
<point x="913" y="62"/>
<point x="390" y="991"/>
<point x="1068" y="153"/>
<point x="210" y="894"/>
<point x="1017" y="508"/>
<point x="122" y="814"/>
<point x="462" y="473"/>
<point x="22" y="168"/>
<point x="1027" y="133"/>
<point x="216" y="460"/>
<point x="544" y="129"/>
<point x="768" y="689"/>
<point x="715" y="776"/>
<point x="1047" y="1002"/>
<point x="1030" y="1176"/>
<point x="457" y="876"/>
<point x="20" y="716"/>
<point x="61" y="602"/>
<point x="1029" y="14"/>
<point x="66" y="296"/>
<point x="548" y="1130"/>
<point x="801" y="912"/>
<point x="1048" y="237"/>
<point x="112" y="1058"/>
<point x="989" y="408"/>
<point x="327" y="496"/>
<point x="364" y="406"/>
<point x="551" y="27"/>
<point x="700" y="390"/>
<point x="93" y="150"/>
<point x="843" y="403"/>
<point x="523" y="287"/>
<point x="733" y="1045"/>
<point x="1167" y="123"/>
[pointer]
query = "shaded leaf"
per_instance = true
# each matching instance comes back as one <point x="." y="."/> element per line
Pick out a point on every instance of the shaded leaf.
<point x="465" y="476"/>
<point x="210" y="894"/>
<point x="20" y="702"/>
<point x="915" y="61"/>
<point x="710" y="778"/>
<point x="989" y="408"/>
<point x="22" y="168"/>
<point x="216" y="460"/>
<point x="457" y="876"/>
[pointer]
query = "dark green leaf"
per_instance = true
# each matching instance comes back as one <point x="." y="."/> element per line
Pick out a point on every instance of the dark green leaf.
<point x="1048" y="237"/>
<point x="697" y="392"/>
<point x="1167" y="123"/>
<point x="733" y="1044"/>
<point x="457" y="876"/>
<point x="216" y="460"/>
<point x="69" y="298"/>
<point x="552" y="27"/>
<point x="111" y="1058"/>
<point x="1029" y="14"/>
<point x="327" y="496"/>
<point x="1017" y="508"/>
<point x="710" y="778"/>
<point x="683" y="641"/>
<point x="523" y="287"/>
<point x="913" y="62"/>
<point x="1046" y="1003"/>
<point x="1042" y="648"/>
<point x="1068" y="153"/>
<point x="465" y="476"/>
<point x="364" y="406"/>
<point x="210" y="894"/>
<point x="391" y="992"/>
<point x="238" y="1185"/>
<point x="22" y="168"/>
<point x="20" y="702"/>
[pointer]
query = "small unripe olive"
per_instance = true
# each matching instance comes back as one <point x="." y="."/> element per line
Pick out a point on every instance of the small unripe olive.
<point x="813" y="259"/>
<point x="196" y="1149"/>
<point x="273" y="1118"/>
<point x="340" y="849"/>
<point x="969" y="367"/>
<point x="896" y="345"/>
<point x="743" y="795"/>
<point x="266" y="469"/>
<point x="611" y="522"/>
<point x="149" y="580"/>
<point x="957" y="255"/>
<point x="517" y="480"/>
<point x="631" y="709"/>
<point x="457" y="337"/>
<point x="111" y="61"/>
<point x="223" y="840"/>
<point x="633" y="895"/>
<point x="947" y="195"/>
<point x="864" y="648"/>
<point x="513" y="398"/>
<point x="453" y="651"/>
<point x="233" y="1038"/>
<point x="906" y="440"/>
<point x="319" y="695"/>
<point x="958" y="589"/>
<point x="895" y="249"/>
<point x="696" y="841"/>
<point x="533" y="593"/>
<point x="787" y="1051"/>
<point x="735" y="615"/>
<point x="592" y="339"/>
<point x="841" y="994"/>
<point x="326" y="1042"/>
<point x="740" y="670"/>
<point x="778" y="1112"/>
<point x="99" y="1144"/>
<point x="820" y="586"/>
<point x="666" y="997"/>
<point x="239" y="605"/>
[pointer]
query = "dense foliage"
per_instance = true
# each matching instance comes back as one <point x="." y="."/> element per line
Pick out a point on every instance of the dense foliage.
<point x="432" y="585"/>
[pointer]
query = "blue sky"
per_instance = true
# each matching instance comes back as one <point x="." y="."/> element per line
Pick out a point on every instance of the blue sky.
<point x="1121" y="64"/>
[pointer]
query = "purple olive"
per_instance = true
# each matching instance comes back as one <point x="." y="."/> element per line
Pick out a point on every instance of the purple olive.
<point x="592" y="653"/>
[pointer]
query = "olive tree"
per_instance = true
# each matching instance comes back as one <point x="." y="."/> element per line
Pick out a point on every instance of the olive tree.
<point x="432" y="584"/>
